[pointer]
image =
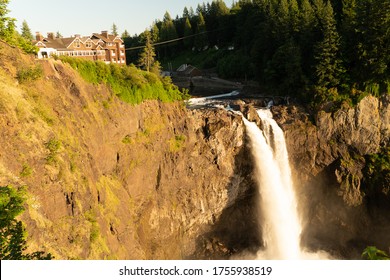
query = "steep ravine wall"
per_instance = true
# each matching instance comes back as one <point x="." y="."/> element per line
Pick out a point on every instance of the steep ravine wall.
<point x="107" y="180"/>
<point x="328" y="153"/>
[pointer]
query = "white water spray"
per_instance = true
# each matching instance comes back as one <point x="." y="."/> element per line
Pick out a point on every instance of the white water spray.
<point x="280" y="222"/>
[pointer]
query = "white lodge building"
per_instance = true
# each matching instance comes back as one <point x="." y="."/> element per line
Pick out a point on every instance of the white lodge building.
<point x="104" y="47"/>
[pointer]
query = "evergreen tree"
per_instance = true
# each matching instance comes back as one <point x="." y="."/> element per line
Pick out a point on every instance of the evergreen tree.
<point x="307" y="35"/>
<point x="294" y="16"/>
<point x="329" y="67"/>
<point x="201" y="38"/>
<point x="191" y="13"/>
<point x="186" y="13"/>
<point x="26" y="31"/>
<point x="284" y="71"/>
<point x="189" y="41"/>
<point x="215" y="13"/>
<point x="7" y="24"/>
<point x="155" y="37"/>
<point x="201" y="9"/>
<point x="167" y="33"/>
<point x="307" y="16"/>
<point x="281" y="22"/>
<point x="155" y="33"/>
<point x="147" y="57"/>
<point x="125" y="34"/>
<point x="348" y="39"/>
<point x="373" y="40"/>
<point x="168" y="30"/>
<point x="114" y="29"/>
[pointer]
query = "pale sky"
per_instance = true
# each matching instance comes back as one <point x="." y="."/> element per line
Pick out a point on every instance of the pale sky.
<point x="85" y="17"/>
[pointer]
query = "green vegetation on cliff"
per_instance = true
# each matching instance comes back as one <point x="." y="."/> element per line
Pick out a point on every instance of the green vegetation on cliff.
<point x="127" y="82"/>
<point x="376" y="172"/>
<point x="12" y="232"/>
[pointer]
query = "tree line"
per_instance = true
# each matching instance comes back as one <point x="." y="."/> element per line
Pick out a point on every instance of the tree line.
<point x="9" y="33"/>
<point x="318" y="50"/>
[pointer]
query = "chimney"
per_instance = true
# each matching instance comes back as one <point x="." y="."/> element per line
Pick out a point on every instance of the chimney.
<point x="77" y="35"/>
<point x="105" y="34"/>
<point x="38" y="36"/>
<point x="50" y="36"/>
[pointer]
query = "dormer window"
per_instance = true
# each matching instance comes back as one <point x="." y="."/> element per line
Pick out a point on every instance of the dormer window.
<point x="77" y="44"/>
<point x="88" y="44"/>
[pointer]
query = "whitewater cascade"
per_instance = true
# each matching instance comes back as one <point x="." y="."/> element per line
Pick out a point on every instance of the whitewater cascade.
<point x="281" y="226"/>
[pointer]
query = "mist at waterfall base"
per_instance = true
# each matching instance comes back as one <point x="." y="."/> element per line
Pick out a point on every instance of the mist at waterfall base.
<point x="277" y="204"/>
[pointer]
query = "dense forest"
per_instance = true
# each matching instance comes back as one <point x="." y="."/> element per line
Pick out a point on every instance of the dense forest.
<point x="316" y="50"/>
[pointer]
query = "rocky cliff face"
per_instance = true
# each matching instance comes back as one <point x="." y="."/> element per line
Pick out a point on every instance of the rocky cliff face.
<point x="107" y="180"/>
<point x="329" y="154"/>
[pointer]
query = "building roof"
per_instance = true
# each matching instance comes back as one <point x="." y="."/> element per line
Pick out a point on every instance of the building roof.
<point x="109" y="38"/>
<point x="65" y="43"/>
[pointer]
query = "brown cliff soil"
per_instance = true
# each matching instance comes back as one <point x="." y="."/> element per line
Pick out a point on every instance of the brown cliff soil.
<point x="107" y="180"/>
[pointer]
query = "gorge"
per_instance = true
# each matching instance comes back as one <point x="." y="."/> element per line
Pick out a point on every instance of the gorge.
<point x="107" y="180"/>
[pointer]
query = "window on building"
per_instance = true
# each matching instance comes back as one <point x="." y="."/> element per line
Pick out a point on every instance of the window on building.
<point x="77" y="44"/>
<point x="88" y="44"/>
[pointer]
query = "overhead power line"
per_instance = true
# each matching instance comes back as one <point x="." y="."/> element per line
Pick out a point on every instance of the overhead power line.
<point x="173" y="40"/>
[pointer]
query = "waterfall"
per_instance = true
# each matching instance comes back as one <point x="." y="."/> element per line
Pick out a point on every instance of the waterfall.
<point x="279" y="219"/>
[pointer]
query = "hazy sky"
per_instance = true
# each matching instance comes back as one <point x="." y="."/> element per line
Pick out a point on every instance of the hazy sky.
<point x="85" y="17"/>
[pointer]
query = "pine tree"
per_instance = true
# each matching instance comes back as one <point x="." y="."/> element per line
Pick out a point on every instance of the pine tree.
<point x="147" y="57"/>
<point x="114" y="29"/>
<point x="26" y="31"/>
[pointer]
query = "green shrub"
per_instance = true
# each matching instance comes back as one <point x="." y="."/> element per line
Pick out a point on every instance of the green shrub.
<point x="30" y="74"/>
<point x="373" y="253"/>
<point x="177" y="143"/>
<point x="130" y="84"/>
<point x="53" y="146"/>
<point x="126" y="139"/>
<point x="26" y="170"/>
